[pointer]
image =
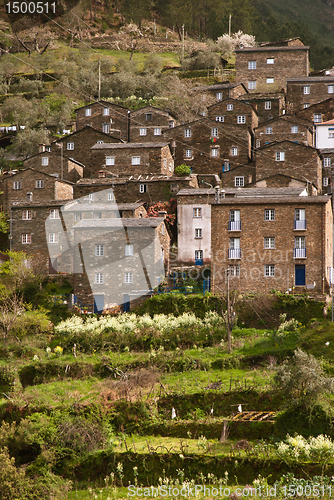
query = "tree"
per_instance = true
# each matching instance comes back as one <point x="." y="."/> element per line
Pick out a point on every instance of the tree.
<point x="26" y="141"/>
<point x="17" y="111"/>
<point x="11" y="307"/>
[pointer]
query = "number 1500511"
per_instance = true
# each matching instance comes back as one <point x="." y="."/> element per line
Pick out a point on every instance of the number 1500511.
<point x="31" y="8"/>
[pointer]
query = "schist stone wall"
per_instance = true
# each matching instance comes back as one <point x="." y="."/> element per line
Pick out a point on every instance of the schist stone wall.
<point x="290" y="159"/>
<point x="239" y="176"/>
<point x="266" y="68"/>
<point x="78" y="144"/>
<point x="303" y="92"/>
<point x="222" y="91"/>
<point x="269" y="251"/>
<point x="206" y="145"/>
<point x="56" y="164"/>
<point x="106" y="117"/>
<point x="318" y="112"/>
<point x="281" y="129"/>
<point x="147" y="124"/>
<point x="267" y="106"/>
<point x="234" y="112"/>
<point x="132" y="159"/>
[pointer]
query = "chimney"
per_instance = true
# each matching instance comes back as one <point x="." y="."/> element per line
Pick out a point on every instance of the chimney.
<point x="41" y="148"/>
<point x="163" y="214"/>
<point x="217" y="189"/>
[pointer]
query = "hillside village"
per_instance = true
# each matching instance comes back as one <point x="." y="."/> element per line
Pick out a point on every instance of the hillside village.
<point x="254" y="203"/>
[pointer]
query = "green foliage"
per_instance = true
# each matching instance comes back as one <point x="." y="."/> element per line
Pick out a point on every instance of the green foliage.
<point x="182" y="170"/>
<point x="32" y="322"/>
<point x="7" y="379"/>
<point x="318" y="449"/>
<point x="177" y="304"/>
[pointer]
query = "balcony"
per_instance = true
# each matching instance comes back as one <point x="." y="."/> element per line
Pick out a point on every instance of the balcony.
<point x="234" y="226"/>
<point x="234" y="253"/>
<point x="299" y="253"/>
<point x="299" y="225"/>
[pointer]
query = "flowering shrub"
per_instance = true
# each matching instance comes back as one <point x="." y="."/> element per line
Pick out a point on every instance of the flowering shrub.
<point x="318" y="449"/>
<point x="58" y="350"/>
<point x="167" y="206"/>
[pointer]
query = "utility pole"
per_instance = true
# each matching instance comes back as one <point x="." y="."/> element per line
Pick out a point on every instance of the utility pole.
<point x="229" y="24"/>
<point x="182" y="41"/>
<point x="99" y="95"/>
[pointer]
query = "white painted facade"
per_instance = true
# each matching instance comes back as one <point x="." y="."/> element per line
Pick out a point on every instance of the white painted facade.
<point x="324" y="135"/>
<point x="194" y="232"/>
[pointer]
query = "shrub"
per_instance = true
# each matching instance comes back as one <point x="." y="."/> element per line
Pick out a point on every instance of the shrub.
<point x="182" y="170"/>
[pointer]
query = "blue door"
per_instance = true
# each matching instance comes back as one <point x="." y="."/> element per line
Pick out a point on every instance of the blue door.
<point x="300" y="275"/>
<point x="126" y="304"/>
<point x="98" y="304"/>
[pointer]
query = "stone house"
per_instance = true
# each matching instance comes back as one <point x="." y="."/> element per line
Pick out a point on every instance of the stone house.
<point x="319" y="112"/>
<point x="286" y="127"/>
<point x="149" y="189"/>
<point x="105" y="116"/>
<point x="209" y="146"/>
<point x="282" y="181"/>
<point x="147" y="124"/>
<point x="266" y="68"/>
<point x="282" y="243"/>
<point x="302" y="92"/>
<point x="77" y="145"/>
<point x="131" y="159"/>
<point x="33" y="186"/>
<point x="234" y="112"/>
<point x="239" y="177"/>
<point x="268" y="106"/>
<point x="222" y="91"/>
<point x="291" y="159"/>
<point x="56" y="163"/>
<point x="122" y="259"/>
<point x="324" y="135"/>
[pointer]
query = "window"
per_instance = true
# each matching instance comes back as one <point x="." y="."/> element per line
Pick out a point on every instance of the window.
<point x="99" y="278"/>
<point x="325" y="181"/>
<point x="234" y="215"/>
<point x="173" y="188"/>
<point x="110" y="160"/>
<point x="214" y="152"/>
<point x="188" y="153"/>
<point x="171" y="124"/>
<point x="198" y="254"/>
<point x="330" y="133"/>
<point x="70" y="146"/>
<point x="214" y="132"/>
<point x="300" y="214"/>
<point x="53" y="238"/>
<point x="280" y="156"/>
<point x="39" y="184"/>
<point x="142" y="131"/>
<point x="220" y="118"/>
<point x="251" y="85"/>
<point x="157" y="131"/>
<point x="91" y="196"/>
<point x="54" y="213"/>
<point x="241" y="119"/>
<point x="229" y="107"/>
<point x="251" y="64"/>
<point x="17" y="185"/>
<point x="187" y="132"/>
<point x="128" y="250"/>
<point x="99" y="250"/>
<point x="29" y="196"/>
<point x="198" y="232"/>
<point x="111" y="197"/>
<point x="105" y="111"/>
<point x="234" y="243"/>
<point x="128" y="278"/>
<point x="269" y="130"/>
<point x="77" y="217"/>
<point x="100" y="142"/>
<point x="269" y="270"/>
<point x="270" y="60"/>
<point x="317" y="118"/>
<point x="88" y="112"/>
<point x="300" y="242"/>
<point x="148" y="117"/>
<point x="267" y="104"/>
<point x="306" y="89"/>
<point x="330" y="89"/>
<point x="142" y="188"/>
<point x="234" y="270"/>
<point x="294" y="129"/>
<point x="97" y="215"/>
<point x="270" y="80"/>
<point x="197" y="212"/>
<point x="26" y="239"/>
<point x="45" y="161"/>
<point x="239" y="181"/>
<point x="269" y="214"/>
<point x="306" y="105"/>
<point x="234" y="151"/>
<point x="26" y="215"/>
<point x="258" y="143"/>
<point x="105" y="128"/>
<point x="219" y="96"/>
<point x="135" y="160"/>
<point x="269" y="242"/>
<point x="327" y="162"/>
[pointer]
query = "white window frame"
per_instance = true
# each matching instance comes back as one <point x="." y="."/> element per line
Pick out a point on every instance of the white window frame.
<point x="229" y="107"/>
<point x="251" y="64"/>
<point x="252" y="85"/>
<point x="214" y="152"/>
<point x="325" y="181"/>
<point x="198" y="254"/>
<point x="300" y="214"/>
<point x="188" y="153"/>
<point x="91" y="196"/>
<point x="294" y="129"/>
<point x="53" y="238"/>
<point x="234" y="270"/>
<point x="269" y="130"/>
<point x="45" y="161"/>
<point x="270" y="60"/>
<point x="220" y="118"/>
<point x="330" y="89"/>
<point x="267" y="105"/>
<point x="300" y="242"/>
<point x="306" y="105"/>
<point x="54" y="213"/>
<point x="234" y="151"/>
<point x="306" y="89"/>
<point x="142" y="131"/>
<point x="88" y="112"/>
<point x="77" y="217"/>
<point x="330" y="134"/>
<point x="111" y="197"/>
<point x="148" y="117"/>
<point x="157" y="130"/>
<point x="187" y="132"/>
<point x="241" y="119"/>
<point x="198" y="233"/>
<point x="26" y="214"/>
<point x="269" y="214"/>
<point x="219" y="96"/>
<point x="135" y="160"/>
<point x="70" y="146"/>
<point x="197" y="213"/>
<point x="39" y="184"/>
<point x="269" y="270"/>
<point x="317" y="118"/>
<point x="106" y="111"/>
<point x="99" y="250"/>
<point x="235" y="216"/>
<point x="327" y="162"/>
<point x="110" y="161"/>
<point x="128" y="277"/>
<point x="26" y="239"/>
<point x="214" y="132"/>
<point x="17" y="185"/>
<point x="269" y="242"/>
<point x="239" y="181"/>
<point x="280" y="156"/>
<point x="270" y="80"/>
<point x="128" y="250"/>
<point x="142" y="188"/>
<point x="106" y="128"/>
<point x="99" y="279"/>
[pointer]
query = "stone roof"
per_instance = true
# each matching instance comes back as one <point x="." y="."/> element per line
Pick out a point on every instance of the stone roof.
<point x="107" y="206"/>
<point x="245" y="192"/>
<point x="130" y="145"/>
<point x="132" y="178"/>
<point x="267" y="48"/>
<point x="245" y="200"/>
<point x="36" y="204"/>
<point x="310" y="79"/>
<point x="105" y="223"/>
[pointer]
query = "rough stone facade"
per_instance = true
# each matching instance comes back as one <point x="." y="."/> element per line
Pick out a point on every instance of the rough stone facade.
<point x="267" y="106"/>
<point x="239" y="176"/>
<point x="222" y="91"/>
<point x="56" y="164"/>
<point x="270" y="249"/>
<point x="106" y="117"/>
<point x="31" y="185"/>
<point x="208" y="146"/>
<point x="266" y="68"/>
<point x="303" y="92"/>
<point x="287" y="158"/>
<point x="233" y="112"/>
<point x="318" y="112"/>
<point x="78" y="144"/>
<point x="147" y="124"/>
<point x="284" y="128"/>
<point x="149" y="189"/>
<point x="131" y="159"/>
